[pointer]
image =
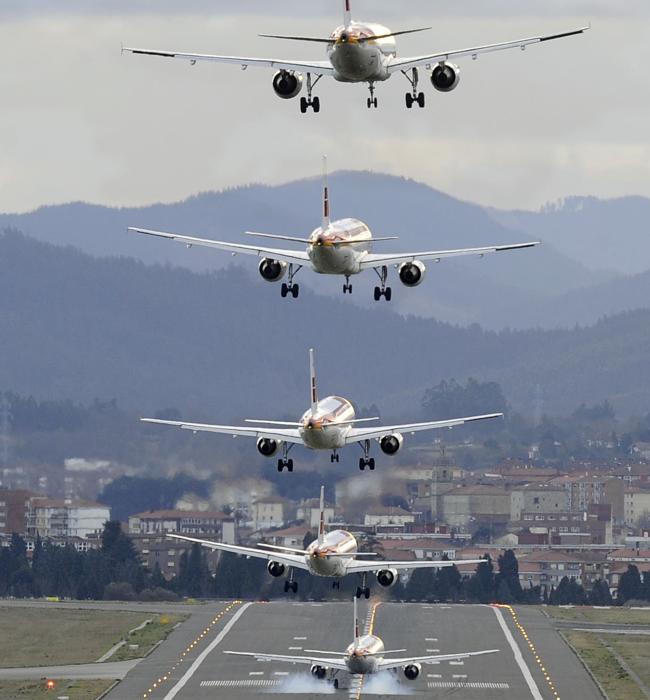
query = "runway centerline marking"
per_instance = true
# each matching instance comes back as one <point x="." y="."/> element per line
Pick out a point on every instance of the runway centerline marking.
<point x="203" y="655"/>
<point x="523" y="666"/>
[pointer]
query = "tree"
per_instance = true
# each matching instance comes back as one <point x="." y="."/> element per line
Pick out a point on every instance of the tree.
<point x="600" y="594"/>
<point x="507" y="580"/>
<point x="480" y="586"/>
<point x="629" y="587"/>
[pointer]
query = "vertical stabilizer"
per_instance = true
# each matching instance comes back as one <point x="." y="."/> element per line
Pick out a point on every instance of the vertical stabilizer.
<point x="347" y="13"/>
<point x="312" y="380"/>
<point x="321" y="522"/>
<point x="356" y="623"/>
<point x="326" y="197"/>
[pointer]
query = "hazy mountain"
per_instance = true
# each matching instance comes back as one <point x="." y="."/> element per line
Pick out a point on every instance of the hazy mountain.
<point x="608" y="234"/>
<point x="498" y="291"/>
<point x="224" y="345"/>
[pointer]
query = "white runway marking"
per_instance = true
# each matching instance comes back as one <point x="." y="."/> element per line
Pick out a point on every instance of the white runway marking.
<point x="280" y="673"/>
<point x="532" y="686"/>
<point x="299" y="639"/>
<point x="471" y="685"/>
<point x="434" y="675"/>
<point x="240" y="684"/>
<point x="433" y="651"/>
<point x="456" y="663"/>
<point x="295" y="648"/>
<point x="431" y="639"/>
<point x="256" y="673"/>
<point x="203" y="655"/>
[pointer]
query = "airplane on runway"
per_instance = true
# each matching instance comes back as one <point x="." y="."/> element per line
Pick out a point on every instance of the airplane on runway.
<point x="342" y="247"/>
<point x="358" y="52"/>
<point x="331" y="555"/>
<point x="328" y="425"/>
<point x="364" y="656"/>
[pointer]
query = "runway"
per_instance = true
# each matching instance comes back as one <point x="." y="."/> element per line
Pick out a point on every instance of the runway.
<point x="533" y="661"/>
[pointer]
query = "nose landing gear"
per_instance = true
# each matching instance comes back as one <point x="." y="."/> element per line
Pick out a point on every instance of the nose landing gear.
<point x="347" y="287"/>
<point x="372" y="100"/>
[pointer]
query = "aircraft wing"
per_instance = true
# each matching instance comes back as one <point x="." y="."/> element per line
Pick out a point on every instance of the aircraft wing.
<point x="403" y="64"/>
<point x="294" y="560"/>
<point x="387" y="664"/>
<point x="377" y="260"/>
<point x="327" y="662"/>
<point x="316" y="67"/>
<point x="273" y="433"/>
<point x="357" y="434"/>
<point x="291" y="256"/>
<point x="360" y="567"/>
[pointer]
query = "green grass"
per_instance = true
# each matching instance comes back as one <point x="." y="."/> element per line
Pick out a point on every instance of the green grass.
<point x="610" y="674"/>
<point x="621" y="616"/>
<point x="53" y="637"/>
<point x="36" y="690"/>
<point x="159" y="629"/>
<point x="635" y="650"/>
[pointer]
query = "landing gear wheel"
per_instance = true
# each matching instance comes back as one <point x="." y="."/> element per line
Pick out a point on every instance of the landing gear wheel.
<point x="421" y="100"/>
<point x="366" y="593"/>
<point x="388" y="293"/>
<point x="347" y="289"/>
<point x="289" y="465"/>
<point x="294" y="586"/>
<point x="280" y="465"/>
<point x="287" y="585"/>
<point x="377" y="294"/>
<point x="335" y="683"/>
<point x="371" y="464"/>
<point x="284" y="290"/>
<point x="304" y="105"/>
<point x="409" y="100"/>
<point x="373" y="102"/>
<point x="359" y="591"/>
<point x="295" y="290"/>
<point x="362" y="463"/>
<point x="316" y="105"/>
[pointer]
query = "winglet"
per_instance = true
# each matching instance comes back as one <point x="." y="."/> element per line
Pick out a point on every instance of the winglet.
<point x="326" y="197"/>
<point x="321" y="524"/>
<point x="312" y="378"/>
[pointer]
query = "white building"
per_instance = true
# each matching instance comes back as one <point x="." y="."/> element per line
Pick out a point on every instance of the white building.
<point x="48" y="517"/>
<point x="386" y="517"/>
<point x="537" y="498"/>
<point x="636" y="506"/>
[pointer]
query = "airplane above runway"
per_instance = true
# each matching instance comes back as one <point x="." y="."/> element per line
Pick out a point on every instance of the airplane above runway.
<point x="330" y="424"/>
<point x="342" y="248"/>
<point x="358" y="52"/>
<point x="333" y="554"/>
<point x="364" y="656"/>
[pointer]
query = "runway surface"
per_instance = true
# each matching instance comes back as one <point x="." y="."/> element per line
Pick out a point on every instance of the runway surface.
<point x="533" y="661"/>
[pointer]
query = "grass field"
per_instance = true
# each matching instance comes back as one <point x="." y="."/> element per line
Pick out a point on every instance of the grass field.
<point x="159" y="629"/>
<point x="34" y="690"/>
<point x="622" y="616"/>
<point x="635" y="650"/>
<point x="54" y="637"/>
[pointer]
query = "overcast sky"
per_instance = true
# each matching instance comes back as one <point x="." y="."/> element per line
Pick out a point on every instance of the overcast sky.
<point x="78" y="121"/>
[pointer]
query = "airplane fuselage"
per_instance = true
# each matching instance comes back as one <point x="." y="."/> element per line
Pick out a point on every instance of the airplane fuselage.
<point x="364" y="657"/>
<point x="356" y="61"/>
<point x="334" y="542"/>
<point x="325" y="426"/>
<point x="339" y="248"/>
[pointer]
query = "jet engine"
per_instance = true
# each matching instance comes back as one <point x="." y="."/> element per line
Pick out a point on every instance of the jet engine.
<point x="318" y="672"/>
<point x="267" y="447"/>
<point x="445" y="76"/>
<point x="411" y="273"/>
<point x="275" y="569"/>
<point x="391" y="444"/>
<point x="272" y="270"/>
<point x="412" y="671"/>
<point x="287" y="84"/>
<point x="387" y="577"/>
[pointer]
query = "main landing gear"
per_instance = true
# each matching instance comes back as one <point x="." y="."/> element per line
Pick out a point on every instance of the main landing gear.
<point x="334" y="457"/>
<point x="291" y="288"/>
<point x="347" y="287"/>
<point x="364" y="589"/>
<point x="383" y="291"/>
<point x="366" y="460"/>
<point x="285" y="462"/>
<point x="290" y="584"/>
<point x="372" y="100"/>
<point x="414" y="96"/>
<point x="336" y="585"/>
<point x="309" y="101"/>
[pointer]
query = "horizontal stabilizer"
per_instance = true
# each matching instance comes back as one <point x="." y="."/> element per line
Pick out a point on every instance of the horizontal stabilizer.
<point x="275" y="237"/>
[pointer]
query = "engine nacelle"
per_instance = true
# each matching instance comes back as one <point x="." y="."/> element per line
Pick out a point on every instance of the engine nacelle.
<point x="412" y="671"/>
<point x="287" y="84"/>
<point x="276" y="569"/>
<point x="272" y="270"/>
<point x="445" y="77"/>
<point x="267" y="447"/>
<point x="387" y="577"/>
<point x="411" y="273"/>
<point x="391" y="444"/>
<point x="318" y="672"/>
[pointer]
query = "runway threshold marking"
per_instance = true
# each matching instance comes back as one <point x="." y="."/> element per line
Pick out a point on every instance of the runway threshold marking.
<point x="204" y="654"/>
<point x="533" y="651"/>
<point x="523" y="666"/>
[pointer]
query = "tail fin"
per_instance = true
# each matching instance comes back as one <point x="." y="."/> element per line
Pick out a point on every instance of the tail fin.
<point x="356" y="624"/>
<point x="347" y="13"/>
<point x="321" y="523"/>
<point x="312" y="378"/>
<point x="326" y="196"/>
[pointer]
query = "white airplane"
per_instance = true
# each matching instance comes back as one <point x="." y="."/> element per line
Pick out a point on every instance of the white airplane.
<point x="365" y="656"/>
<point x="342" y="247"/>
<point x="358" y="52"/>
<point x="328" y="425"/>
<point x="331" y="555"/>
